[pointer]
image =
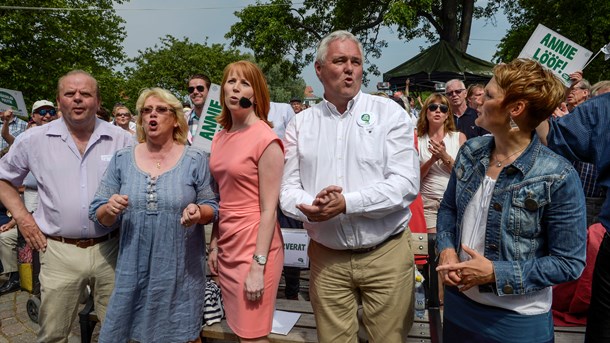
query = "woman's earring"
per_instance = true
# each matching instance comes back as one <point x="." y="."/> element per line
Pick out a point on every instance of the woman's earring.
<point x="513" y="125"/>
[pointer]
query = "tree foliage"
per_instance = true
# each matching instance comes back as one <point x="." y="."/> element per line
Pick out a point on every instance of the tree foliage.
<point x="38" y="46"/>
<point x="170" y="63"/>
<point x="281" y="87"/>
<point x="282" y="33"/>
<point x="585" y="22"/>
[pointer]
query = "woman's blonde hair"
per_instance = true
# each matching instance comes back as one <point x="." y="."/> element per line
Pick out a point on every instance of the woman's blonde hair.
<point x="422" y="122"/>
<point x="180" y="134"/>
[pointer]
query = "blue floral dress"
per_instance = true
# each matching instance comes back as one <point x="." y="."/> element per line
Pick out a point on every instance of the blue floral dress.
<point x="160" y="272"/>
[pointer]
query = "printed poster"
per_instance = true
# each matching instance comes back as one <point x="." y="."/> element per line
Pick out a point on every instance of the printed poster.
<point x="556" y="53"/>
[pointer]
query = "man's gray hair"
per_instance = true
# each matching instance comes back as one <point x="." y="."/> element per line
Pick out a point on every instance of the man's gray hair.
<point x="584" y="84"/>
<point x="455" y="81"/>
<point x="331" y="37"/>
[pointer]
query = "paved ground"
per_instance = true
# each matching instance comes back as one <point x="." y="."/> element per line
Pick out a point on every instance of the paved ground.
<point x="16" y="326"/>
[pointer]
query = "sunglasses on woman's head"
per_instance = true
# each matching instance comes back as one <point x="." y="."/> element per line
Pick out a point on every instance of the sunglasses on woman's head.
<point x="434" y="107"/>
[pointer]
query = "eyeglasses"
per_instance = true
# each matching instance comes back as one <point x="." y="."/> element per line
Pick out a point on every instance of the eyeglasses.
<point x="45" y="112"/>
<point x="456" y="92"/>
<point x="158" y="109"/>
<point x="122" y="114"/>
<point x="199" y="88"/>
<point x="434" y="107"/>
<point x="573" y="89"/>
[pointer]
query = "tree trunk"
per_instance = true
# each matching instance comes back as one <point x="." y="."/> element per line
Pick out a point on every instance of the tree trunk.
<point x="448" y="21"/>
<point x="466" y="24"/>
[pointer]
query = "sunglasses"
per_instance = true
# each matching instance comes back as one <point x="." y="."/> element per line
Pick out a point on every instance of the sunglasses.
<point x="198" y="88"/>
<point x="45" y="112"/>
<point x="456" y="92"/>
<point x="121" y="114"/>
<point x="158" y="109"/>
<point x="434" y="107"/>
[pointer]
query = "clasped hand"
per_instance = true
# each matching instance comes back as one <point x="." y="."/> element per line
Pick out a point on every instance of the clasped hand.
<point x="117" y="204"/>
<point x="476" y="271"/>
<point x="191" y="215"/>
<point x="329" y="202"/>
<point x="438" y="149"/>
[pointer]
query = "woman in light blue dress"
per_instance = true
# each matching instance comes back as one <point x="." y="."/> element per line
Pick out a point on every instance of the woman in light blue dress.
<point x="160" y="191"/>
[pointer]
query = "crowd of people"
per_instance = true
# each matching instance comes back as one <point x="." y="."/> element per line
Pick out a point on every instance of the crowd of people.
<point x="500" y="173"/>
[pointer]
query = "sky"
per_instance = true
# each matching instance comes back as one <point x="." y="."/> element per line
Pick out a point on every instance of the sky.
<point x="149" y="20"/>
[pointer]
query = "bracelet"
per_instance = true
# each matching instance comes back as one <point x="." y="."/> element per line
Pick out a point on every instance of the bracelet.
<point x="448" y="162"/>
<point x="213" y="249"/>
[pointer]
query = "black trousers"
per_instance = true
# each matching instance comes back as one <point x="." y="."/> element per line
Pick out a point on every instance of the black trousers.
<point x="598" y="321"/>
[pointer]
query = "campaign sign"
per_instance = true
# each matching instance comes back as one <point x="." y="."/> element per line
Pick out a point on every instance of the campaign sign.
<point x="13" y="99"/>
<point x="296" y="242"/>
<point x="207" y="122"/>
<point x="556" y="53"/>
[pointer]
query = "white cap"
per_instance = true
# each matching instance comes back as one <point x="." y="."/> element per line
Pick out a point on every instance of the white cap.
<point x="41" y="103"/>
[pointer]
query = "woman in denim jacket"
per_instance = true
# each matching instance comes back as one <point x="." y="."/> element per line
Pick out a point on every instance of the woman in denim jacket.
<point x="512" y="221"/>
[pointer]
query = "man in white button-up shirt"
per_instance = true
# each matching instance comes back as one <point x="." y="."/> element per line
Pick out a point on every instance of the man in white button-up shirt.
<point x="351" y="172"/>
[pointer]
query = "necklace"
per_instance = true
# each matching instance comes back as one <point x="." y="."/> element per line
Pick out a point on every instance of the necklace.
<point x="499" y="162"/>
<point x="159" y="161"/>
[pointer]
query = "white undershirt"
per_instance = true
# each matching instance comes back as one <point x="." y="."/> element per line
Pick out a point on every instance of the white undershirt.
<point x="474" y="225"/>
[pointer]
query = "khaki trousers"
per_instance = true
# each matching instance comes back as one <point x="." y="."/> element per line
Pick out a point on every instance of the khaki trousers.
<point x="382" y="280"/>
<point x="65" y="271"/>
<point x="8" y="250"/>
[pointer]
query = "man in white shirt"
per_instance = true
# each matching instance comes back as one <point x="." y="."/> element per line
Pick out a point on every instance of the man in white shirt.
<point x="280" y="114"/>
<point x="351" y="172"/>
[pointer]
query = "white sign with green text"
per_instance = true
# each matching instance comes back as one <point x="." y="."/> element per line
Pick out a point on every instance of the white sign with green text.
<point x="296" y="242"/>
<point x="207" y="122"/>
<point x="10" y="99"/>
<point x="555" y="52"/>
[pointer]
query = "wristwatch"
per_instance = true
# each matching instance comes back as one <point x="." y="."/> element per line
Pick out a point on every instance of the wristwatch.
<point x="260" y="259"/>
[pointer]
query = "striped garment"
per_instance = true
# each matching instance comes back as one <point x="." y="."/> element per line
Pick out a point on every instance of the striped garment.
<point x="213" y="308"/>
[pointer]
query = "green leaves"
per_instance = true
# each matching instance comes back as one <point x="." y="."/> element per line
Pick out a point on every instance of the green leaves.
<point x="585" y="22"/>
<point x="170" y="63"/>
<point x="38" y="46"/>
<point x="280" y="30"/>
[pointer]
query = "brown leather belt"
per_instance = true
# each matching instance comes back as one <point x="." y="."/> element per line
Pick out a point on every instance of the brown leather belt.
<point x="85" y="242"/>
<point x="376" y="246"/>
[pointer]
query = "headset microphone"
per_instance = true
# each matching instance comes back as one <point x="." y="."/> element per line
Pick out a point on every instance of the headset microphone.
<point x="245" y="102"/>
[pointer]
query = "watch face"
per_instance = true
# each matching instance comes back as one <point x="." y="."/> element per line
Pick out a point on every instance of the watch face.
<point x="260" y="259"/>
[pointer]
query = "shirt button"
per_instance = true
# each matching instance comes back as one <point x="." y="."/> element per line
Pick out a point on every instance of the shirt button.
<point x="507" y="289"/>
<point x="497" y="207"/>
<point x="459" y="173"/>
<point x="531" y="204"/>
<point x="511" y="170"/>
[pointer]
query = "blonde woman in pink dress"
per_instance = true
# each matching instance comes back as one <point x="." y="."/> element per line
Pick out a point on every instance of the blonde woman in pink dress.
<point x="247" y="161"/>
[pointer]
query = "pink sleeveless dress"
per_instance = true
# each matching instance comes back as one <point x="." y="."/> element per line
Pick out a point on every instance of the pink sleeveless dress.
<point x="234" y="165"/>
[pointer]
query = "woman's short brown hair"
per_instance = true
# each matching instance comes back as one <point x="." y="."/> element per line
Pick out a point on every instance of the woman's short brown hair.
<point x="526" y="80"/>
<point x="254" y="75"/>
